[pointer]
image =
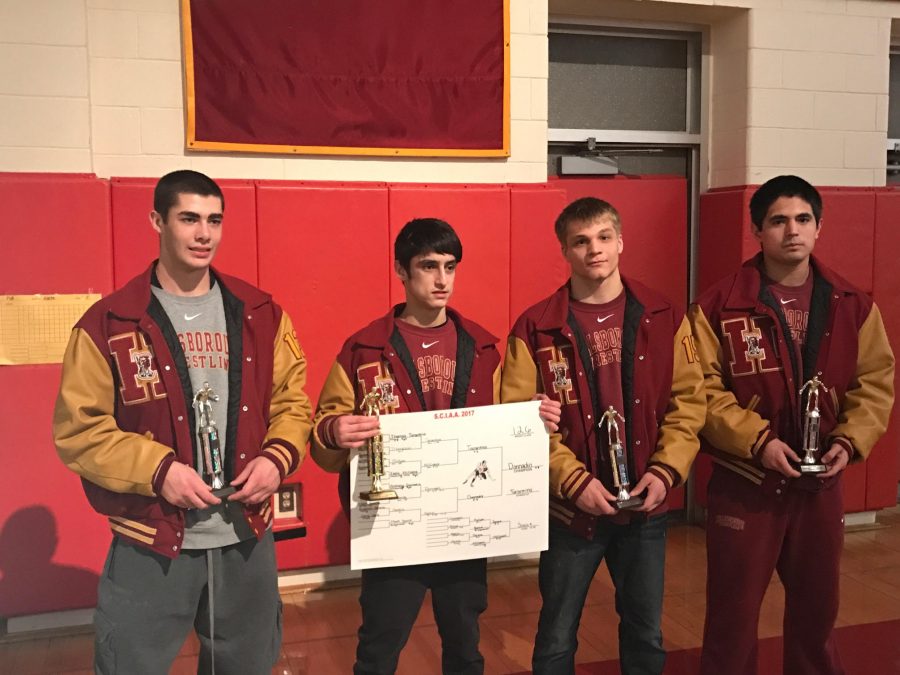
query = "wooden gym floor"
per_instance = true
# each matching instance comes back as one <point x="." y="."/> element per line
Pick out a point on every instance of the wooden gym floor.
<point x="320" y="625"/>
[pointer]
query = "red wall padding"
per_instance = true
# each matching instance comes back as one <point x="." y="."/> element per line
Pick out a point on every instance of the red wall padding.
<point x="536" y="265"/>
<point x="324" y="253"/>
<point x="854" y="246"/>
<point x="722" y="234"/>
<point x="886" y="283"/>
<point x="52" y="544"/>
<point x="137" y="243"/>
<point x="57" y="238"/>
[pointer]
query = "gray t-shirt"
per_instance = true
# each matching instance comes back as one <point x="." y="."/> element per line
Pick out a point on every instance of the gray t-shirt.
<point x="200" y="324"/>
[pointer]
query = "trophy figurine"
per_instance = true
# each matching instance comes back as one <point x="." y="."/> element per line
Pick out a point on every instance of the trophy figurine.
<point x="624" y="500"/>
<point x="210" y="449"/>
<point x="375" y="454"/>
<point x="811" y="462"/>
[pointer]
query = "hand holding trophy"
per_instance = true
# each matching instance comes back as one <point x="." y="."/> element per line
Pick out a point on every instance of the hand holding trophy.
<point x="811" y="462"/>
<point x="375" y="453"/>
<point x="624" y="500"/>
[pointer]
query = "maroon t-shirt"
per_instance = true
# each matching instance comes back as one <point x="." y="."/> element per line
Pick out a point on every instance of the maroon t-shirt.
<point x="601" y="326"/>
<point x="433" y="352"/>
<point x="795" y="301"/>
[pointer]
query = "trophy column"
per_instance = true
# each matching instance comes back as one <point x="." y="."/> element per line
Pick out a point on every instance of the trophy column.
<point x="624" y="500"/>
<point x="811" y="462"/>
<point x="210" y="448"/>
<point x="371" y="405"/>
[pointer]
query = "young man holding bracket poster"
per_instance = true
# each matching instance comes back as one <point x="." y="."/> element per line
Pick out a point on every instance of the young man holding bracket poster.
<point x="421" y="355"/>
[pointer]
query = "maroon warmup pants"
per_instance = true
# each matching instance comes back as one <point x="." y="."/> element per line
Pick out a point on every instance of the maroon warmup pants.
<point x="752" y="530"/>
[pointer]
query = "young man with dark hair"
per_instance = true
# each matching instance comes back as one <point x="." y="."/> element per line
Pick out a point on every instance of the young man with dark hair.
<point x="421" y="355"/>
<point x="183" y="382"/>
<point x="763" y="335"/>
<point x="604" y="341"/>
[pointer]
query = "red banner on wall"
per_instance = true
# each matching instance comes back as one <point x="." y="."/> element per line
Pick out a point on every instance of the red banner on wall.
<point x="398" y="77"/>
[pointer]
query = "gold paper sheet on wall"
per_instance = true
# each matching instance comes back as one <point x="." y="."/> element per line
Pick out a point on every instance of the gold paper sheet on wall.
<point x="36" y="328"/>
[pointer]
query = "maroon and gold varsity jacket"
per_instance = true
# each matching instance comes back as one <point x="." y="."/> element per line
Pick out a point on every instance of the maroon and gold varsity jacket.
<point x="376" y="356"/>
<point x="753" y="376"/>
<point x="662" y="387"/>
<point x="124" y="411"/>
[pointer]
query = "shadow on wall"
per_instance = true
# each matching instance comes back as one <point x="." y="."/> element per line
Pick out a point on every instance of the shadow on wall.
<point x="337" y="540"/>
<point x="27" y="543"/>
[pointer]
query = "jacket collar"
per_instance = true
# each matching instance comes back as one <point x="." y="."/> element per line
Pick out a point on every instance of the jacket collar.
<point x="378" y="333"/>
<point x="745" y="289"/>
<point x="556" y="311"/>
<point x="132" y="300"/>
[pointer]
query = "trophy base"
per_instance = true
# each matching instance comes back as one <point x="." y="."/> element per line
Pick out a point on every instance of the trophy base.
<point x="630" y="503"/>
<point x="221" y="493"/>
<point x="813" y="468"/>
<point x="378" y="495"/>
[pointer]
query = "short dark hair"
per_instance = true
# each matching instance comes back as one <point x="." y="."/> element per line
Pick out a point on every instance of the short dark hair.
<point x="426" y="235"/>
<point x="184" y="181"/>
<point x="585" y="210"/>
<point x="783" y="186"/>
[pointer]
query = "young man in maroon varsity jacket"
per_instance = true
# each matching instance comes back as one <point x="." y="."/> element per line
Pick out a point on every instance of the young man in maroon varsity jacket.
<point x="599" y="341"/>
<point x="421" y="355"/>
<point x="763" y="333"/>
<point x="126" y="421"/>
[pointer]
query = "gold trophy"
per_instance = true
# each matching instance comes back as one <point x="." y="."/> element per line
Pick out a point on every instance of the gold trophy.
<point x="210" y="448"/>
<point x="624" y="500"/>
<point x="371" y="405"/>
<point x="811" y="462"/>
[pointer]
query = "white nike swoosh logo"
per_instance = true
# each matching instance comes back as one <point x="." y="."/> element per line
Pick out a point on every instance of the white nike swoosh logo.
<point x="191" y="318"/>
<point x="784" y="302"/>
<point x="599" y="320"/>
<point x="430" y="344"/>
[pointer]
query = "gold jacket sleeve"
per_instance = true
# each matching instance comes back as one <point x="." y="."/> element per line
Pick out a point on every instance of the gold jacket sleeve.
<point x="337" y="398"/>
<point x="290" y="412"/>
<point x="677" y="444"/>
<point x="520" y="382"/>
<point x="729" y="427"/>
<point x="868" y="402"/>
<point x="85" y="432"/>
